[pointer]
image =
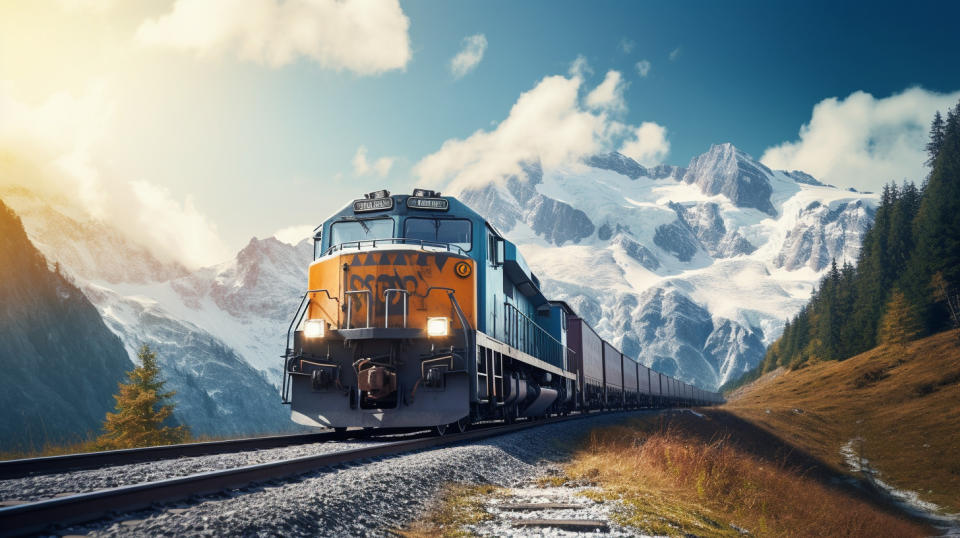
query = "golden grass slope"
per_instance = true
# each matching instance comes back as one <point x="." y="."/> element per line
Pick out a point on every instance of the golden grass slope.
<point x="714" y="475"/>
<point x="901" y="401"/>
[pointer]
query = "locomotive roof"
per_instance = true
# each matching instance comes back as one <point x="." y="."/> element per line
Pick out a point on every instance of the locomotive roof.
<point x="400" y="206"/>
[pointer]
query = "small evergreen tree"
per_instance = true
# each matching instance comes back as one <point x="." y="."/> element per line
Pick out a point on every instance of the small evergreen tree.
<point x="141" y="410"/>
<point x="900" y="323"/>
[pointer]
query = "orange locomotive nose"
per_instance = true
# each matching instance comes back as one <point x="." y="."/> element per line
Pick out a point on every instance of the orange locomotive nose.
<point x="392" y="288"/>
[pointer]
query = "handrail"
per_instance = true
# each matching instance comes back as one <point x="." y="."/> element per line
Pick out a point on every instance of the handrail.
<point x="464" y="324"/>
<point x="372" y="243"/>
<point x="350" y="295"/>
<point x="297" y="317"/>
<point x="530" y="337"/>
<point x="386" y="306"/>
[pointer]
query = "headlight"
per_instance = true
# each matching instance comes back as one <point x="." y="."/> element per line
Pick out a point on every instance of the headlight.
<point x="315" y="328"/>
<point x="437" y="326"/>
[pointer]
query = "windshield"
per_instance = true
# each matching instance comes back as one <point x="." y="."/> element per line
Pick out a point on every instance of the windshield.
<point x="451" y="231"/>
<point x="347" y="231"/>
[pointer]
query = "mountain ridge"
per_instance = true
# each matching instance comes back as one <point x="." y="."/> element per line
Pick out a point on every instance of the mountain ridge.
<point x="723" y="222"/>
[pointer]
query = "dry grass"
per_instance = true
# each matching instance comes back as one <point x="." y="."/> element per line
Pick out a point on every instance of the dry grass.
<point x="457" y="505"/>
<point x="902" y="400"/>
<point x="52" y="449"/>
<point x="90" y="445"/>
<point x="687" y="475"/>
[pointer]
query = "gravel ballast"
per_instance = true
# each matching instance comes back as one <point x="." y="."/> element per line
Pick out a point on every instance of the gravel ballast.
<point x="34" y="488"/>
<point x="365" y="498"/>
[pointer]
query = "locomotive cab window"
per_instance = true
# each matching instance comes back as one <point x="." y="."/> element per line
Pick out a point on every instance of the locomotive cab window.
<point x="317" y="242"/>
<point x="349" y="231"/>
<point x="449" y="231"/>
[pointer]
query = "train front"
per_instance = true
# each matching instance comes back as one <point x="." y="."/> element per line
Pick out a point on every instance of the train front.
<point x="383" y="334"/>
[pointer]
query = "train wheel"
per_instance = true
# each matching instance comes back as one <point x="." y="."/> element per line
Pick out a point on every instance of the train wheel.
<point x="461" y="425"/>
<point x="440" y="430"/>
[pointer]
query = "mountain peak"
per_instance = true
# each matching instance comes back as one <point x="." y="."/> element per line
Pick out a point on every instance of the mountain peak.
<point x="617" y="162"/>
<point x="621" y="164"/>
<point x="726" y="170"/>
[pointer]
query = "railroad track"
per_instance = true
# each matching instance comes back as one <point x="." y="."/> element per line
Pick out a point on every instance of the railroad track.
<point x="95" y="460"/>
<point x="38" y="516"/>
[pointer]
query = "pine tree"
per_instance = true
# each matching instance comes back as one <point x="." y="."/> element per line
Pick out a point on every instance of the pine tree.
<point x="900" y="322"/>
<point x="141" y="410"/>
<point x="936" y="138"/>
<point x="937" y="226"/>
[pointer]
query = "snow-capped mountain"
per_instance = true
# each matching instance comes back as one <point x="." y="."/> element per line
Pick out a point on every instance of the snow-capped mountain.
<point x="693" y="270"/>
<point x="218" y="331"/>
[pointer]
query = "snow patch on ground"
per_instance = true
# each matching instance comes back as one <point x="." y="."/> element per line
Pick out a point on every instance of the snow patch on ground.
<point x="908" y="500"/>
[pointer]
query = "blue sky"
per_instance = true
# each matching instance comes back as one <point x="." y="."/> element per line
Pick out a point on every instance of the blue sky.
<point x="236" y="143"/>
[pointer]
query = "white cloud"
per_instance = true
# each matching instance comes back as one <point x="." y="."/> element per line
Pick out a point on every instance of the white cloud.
<point x="609" y="94"/>
<point x="626" y="45"/>
<point x="63" y="138"/>
<point x="547" y="124"/>
<point x="362" y="167"/>
<point x="293" y="235"/>
<point x="77" y="6"/>
<point x="364" y="36"/>
<point x="863" y="142"/>
<point x="648" y="144"/>
<point x="675" y="53"/>
<point x="469" y="56"/>
<point x="62" y="132"/>
<point x="174" y="228"/>
<point x="580" y="67"/>
<point x="643" y="67"/>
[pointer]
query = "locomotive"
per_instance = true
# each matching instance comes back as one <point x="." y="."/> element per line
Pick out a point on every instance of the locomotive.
<point x="419" y="313"/>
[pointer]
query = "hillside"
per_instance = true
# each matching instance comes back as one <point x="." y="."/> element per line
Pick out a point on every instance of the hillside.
<point x="218" y="331"/>
<point x="61" y="363"/>
<point x="901" y="400"/>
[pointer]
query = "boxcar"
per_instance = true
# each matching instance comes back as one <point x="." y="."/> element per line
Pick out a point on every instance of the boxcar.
<point x="612" y="375"/>
<point x="630" y="392"/>
<point x="587" y="348"/>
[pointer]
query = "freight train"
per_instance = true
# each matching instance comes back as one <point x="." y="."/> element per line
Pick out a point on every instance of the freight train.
<point x="419" y="313"/>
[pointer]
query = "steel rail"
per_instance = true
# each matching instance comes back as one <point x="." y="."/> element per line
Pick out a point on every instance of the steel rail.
<point x="38" y="516"/>
<point x="94" y="460"/>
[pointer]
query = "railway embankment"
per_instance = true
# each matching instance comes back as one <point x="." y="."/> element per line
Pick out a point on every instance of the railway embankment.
<point x="702" y="473"/>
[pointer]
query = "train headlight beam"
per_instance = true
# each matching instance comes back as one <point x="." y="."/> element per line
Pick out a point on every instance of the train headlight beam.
<point x="315" y="328"/>
<point x="437" y="326"/>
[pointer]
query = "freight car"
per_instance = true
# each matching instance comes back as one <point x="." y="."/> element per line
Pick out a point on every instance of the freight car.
<point x="418" y="312"/>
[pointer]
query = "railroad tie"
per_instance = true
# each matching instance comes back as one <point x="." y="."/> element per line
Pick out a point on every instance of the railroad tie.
<point x="577" y="524"/>
<point x="539" y="506"/>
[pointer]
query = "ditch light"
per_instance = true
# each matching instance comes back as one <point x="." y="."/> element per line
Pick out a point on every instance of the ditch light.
<point x="315" y="328"/>
<point x="437" y="326"/>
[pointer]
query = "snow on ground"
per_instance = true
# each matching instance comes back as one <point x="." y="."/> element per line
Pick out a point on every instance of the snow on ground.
<point x="909" y="501"/>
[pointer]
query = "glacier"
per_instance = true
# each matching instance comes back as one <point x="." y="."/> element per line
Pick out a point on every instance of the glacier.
<point x="693" y="269"/>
